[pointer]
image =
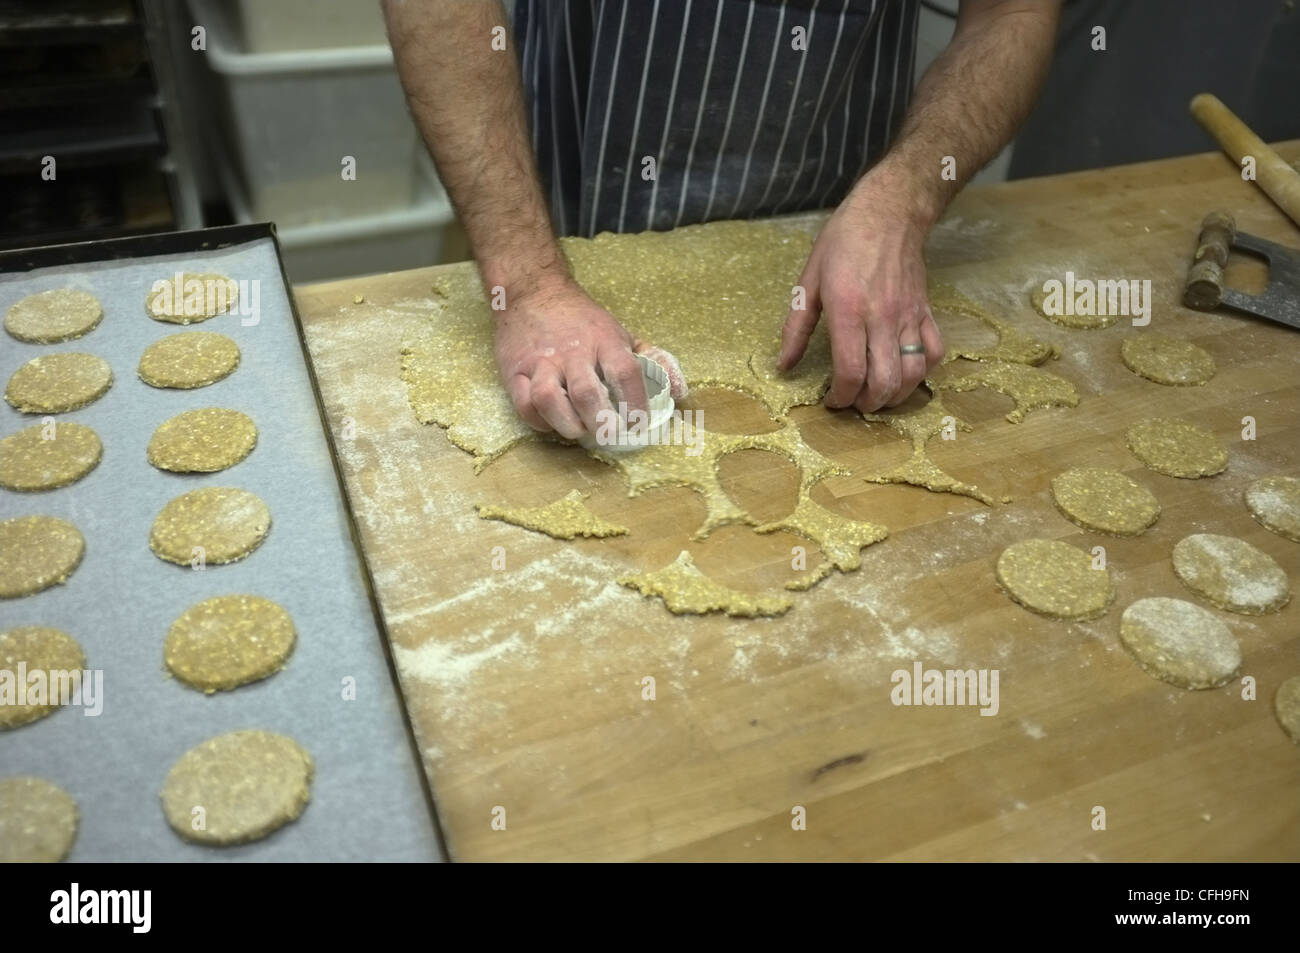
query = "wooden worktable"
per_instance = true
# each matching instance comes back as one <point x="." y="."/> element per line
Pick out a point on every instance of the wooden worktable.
<point x="525" y="685"/>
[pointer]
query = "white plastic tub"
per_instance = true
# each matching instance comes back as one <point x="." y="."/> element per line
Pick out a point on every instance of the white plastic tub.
<point x="287" y="120"/>
<point x="269" y="26"/>
<point x="409" y="237"/>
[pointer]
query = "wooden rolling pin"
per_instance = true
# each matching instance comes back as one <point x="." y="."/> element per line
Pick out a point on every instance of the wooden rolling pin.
<point x="1279" y="181"/>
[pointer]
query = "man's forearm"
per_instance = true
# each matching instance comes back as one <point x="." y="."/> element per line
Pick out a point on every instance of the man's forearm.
<point x="969" y="104"/>
<point x="468" y="103"/>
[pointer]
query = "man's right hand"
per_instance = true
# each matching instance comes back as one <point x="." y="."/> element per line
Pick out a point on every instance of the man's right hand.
<point x="561" y="356"/>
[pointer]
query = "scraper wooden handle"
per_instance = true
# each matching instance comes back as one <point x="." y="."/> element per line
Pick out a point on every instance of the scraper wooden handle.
<point x="1279" y="181"/>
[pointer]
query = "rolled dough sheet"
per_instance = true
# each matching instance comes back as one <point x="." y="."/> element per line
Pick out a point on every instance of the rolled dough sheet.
<point x="1054" y="579"/>
<point x="1231" y="573"/>
<point x="228" y="641"/>
<point x="38" y="821"/>
<point x="1275" y="504"/>
<point x="1179" y="642"/>
<point x="55" y="383"/>
<point x="224" y="522"/>
<point x="1104" y="500"/>
<point x="37" y="552"/>
<point x="1177" y="448"/>
<point x="49" y="317"/>
<point x="202" y="441"/>
<point x="201" y="296"/>
<point x="1166" y="360"/>
<point x="45" y="458"/>
<point x="188" y="359"/>
<point x="39" y="649"/>
<point x="685" y="590"/>
<point x="564" y="519"/>
<point x="237" y="787"/>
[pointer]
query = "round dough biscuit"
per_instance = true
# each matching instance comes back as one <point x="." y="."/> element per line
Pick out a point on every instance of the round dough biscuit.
<point x="202" y="295"/>
<point x="188" y="359"/>
<point x="1054" y="579"/>
<point x="228" y="641"/>
<point x="1231" y="573"/>
<point x="1275" y="504"/>
<point x="1079" y="322"/>
<point x="1176" y="448"/>
<point x="1166" y="360"/>
<point x="202" y="441"/>
<point x="1179" y="642"/>
<point x="1287" y="707"/>
<point x="1104" y="500"/>
<point x="40" y="649"/>
<point x="227" y="523"/>
<point x="49" y="317"/>
<point x="247" y="783"/>
<point x="38" y="821"/>
<point x="54" y="383"/>
<point x="30" y="461"/>
<point x="37" y="552"/>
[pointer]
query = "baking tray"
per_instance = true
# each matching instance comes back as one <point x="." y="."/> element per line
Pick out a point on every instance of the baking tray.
<point x="369" y="797"/>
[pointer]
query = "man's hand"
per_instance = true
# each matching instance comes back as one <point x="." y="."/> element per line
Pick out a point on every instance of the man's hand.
<point x="866" y="276"/>
<point x="561" y="356"/>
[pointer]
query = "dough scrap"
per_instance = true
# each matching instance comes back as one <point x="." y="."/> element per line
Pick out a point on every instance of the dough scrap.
<point x="1166" y="360"/>
<point x="203" y="295"/>
<point x="564" y="519"/>
<point x="1275" y="504"/>
<point x="1013" y="346"/>
<point x="31" y="460"/>
<point x="1030" y="387"/>
<point x="1179" y="642"/>
<point x="248" y="783"/>
<point x="188" y="359"/>
<point x="37" y="552"/>
<point x="696" y="466"/>
<point x="919" y="427"/>
<point x="1177" y="448"/>
<point x="202" y="441"/>
<point x="1104" y="500"/>
<point x="1287" y="706"/>
<point x="55" y="383"/>
<point x="1231" y="573"/>
<point x="839" y="538"/>
<point x="228" y="641"/>
<point x="49" y="317"/>
<point x="38" y="821"/>
<point x="39" y="649"/>
<point x="226" y="523"/>
<point x="1054" y="579"/>
<point x="1079" y="322"/>
<point x="686" y="590"/>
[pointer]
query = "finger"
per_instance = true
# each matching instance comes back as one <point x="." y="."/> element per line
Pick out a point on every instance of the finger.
<point x="621" y="372"/>
<point x="800" y="324"/>
<point x="552" y="402"/>
<point x="848" y="359"/>
<point x="933" y="341"/>
<point x="521" y="397"/>
<point x="586" y="393"/>
<point x="911" y="367"/>
<point x="883" y="377"/>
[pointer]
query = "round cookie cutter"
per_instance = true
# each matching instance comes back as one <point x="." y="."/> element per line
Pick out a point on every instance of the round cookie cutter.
<point x="632" y="435"/>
